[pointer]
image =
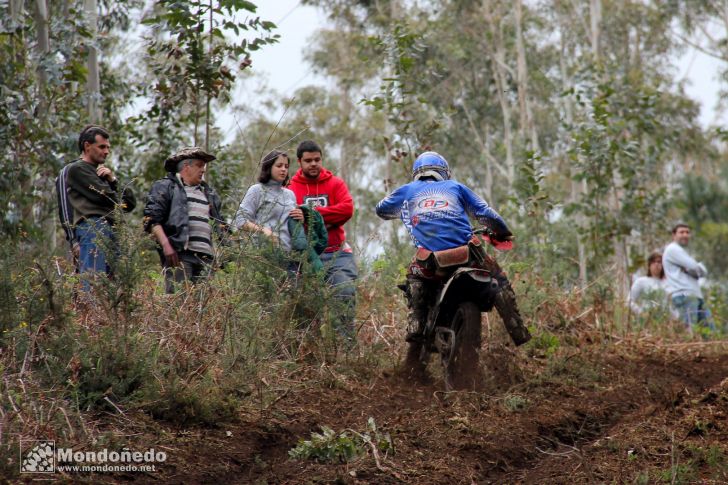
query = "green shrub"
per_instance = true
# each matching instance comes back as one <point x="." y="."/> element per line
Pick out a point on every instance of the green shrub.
<point x="515" y="402"/>
<point x="328" y="447"/>
<point x="543" y="342"/>
<point x="99" y="366"/>
<point x="331" y="447"/>
<point x="201" y="401"/>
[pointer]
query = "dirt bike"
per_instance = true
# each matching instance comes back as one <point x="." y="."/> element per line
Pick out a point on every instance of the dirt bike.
<point x="470" y="283"/>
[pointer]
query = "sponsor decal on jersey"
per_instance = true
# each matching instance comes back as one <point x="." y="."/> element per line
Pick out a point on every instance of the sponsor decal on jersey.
<point x="314" y="201"/>
<point x="432" y="203"/>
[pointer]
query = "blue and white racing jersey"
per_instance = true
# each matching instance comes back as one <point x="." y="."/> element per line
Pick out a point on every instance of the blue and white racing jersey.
<point x="436" y="213"/>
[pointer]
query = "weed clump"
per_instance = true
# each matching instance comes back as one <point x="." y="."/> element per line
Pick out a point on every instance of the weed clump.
<point x="332" y="447"/>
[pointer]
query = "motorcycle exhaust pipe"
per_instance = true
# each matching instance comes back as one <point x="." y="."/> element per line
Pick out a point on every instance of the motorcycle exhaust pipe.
<point x="494" y="285"/>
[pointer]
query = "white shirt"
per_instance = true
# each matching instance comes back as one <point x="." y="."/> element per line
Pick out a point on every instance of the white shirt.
<point x="647" y="292"/>
<point x="682" y="271"/>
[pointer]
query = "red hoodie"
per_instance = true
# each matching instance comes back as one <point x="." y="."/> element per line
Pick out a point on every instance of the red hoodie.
<point x="330" y="196"/>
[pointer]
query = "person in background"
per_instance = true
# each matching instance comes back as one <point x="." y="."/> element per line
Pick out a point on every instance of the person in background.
<point x="264" y="211"/>
<point x="93" y="194"/>
<point x="321" y="190"/>
<point x="183" y="214"/>
<point x="683" y="275"/>
<point x="65" y="213"/>
<point x="649" y="292"/>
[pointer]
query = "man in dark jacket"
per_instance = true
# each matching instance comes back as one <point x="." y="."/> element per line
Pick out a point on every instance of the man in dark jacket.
<point x="182" y="212"/>
<point x="65" y="213"/>
<point x="93" y="193"/>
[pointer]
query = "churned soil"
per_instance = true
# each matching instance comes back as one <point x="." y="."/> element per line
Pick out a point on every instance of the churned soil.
<point x="624" y="412"/>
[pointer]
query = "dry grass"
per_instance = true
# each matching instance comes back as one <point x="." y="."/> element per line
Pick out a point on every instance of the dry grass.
<point x="247" y="342"/>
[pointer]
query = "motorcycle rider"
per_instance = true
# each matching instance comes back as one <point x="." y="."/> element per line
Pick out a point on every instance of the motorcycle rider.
<point x="435" y="211"/>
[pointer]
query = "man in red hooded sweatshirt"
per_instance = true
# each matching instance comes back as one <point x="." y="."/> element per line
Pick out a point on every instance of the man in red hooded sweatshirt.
<point x="320" y="189"/>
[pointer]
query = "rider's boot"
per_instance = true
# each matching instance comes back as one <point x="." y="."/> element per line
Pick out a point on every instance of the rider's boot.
<point x="505" y="303"/>
<point x="415" y="328"/>
<point x="505" y="300"/>
<point x="417" y="316"/>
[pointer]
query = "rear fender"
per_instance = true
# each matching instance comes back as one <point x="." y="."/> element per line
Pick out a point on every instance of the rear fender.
<point x="473" y="284"/>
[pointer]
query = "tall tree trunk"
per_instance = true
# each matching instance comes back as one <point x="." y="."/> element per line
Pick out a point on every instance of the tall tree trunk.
<point x="484" y="143"/>
<point x="43" y="46"/>
<point x="576" y="189"/>
<point x="16" y="18"/>
<point x="528" y="128"/>
<point x="490" y="162"/>
<point x="496" y="51"/>
<point x="595" y="16"/>
<point x="18" y="50"/>
<point x="15" y="8"/>
<point x="41" y="20"/>
<point x="207" y="92"/>
<point x="93" y="83"/>
<point x="345" y="159"/>
<point x="621" y="253"/>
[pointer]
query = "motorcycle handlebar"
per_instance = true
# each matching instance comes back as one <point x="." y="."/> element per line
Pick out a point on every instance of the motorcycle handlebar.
<point x="483" y="230"/>
<point x="489" y="237"/>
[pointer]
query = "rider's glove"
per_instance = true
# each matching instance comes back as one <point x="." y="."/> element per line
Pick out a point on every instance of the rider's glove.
<point x="502" y="235"/>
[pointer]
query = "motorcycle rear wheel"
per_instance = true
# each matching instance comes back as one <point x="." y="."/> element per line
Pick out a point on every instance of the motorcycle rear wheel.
<point x="461" y="369"/>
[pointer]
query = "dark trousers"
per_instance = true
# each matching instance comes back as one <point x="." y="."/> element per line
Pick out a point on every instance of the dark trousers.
<point x="193" y="267"/>
<point x="341" y="275"/>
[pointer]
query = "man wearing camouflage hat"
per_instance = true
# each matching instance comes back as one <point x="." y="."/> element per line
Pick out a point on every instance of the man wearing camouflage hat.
<point x="182" y="212"/>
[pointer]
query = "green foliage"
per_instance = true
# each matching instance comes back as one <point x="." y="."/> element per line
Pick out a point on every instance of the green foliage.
<point x="401" y="49"/>
<point x="715" y="458"/>
<point x="198" y="62"/>
<point x="42" y="106"/>
<point x="543" y="342"/>
<point x="530" y="193"/>
<point x="33" y="297"/>
<point x="328" y="447"/>
<point x="331" y="447"/>
<point x="616" y="152"/>
<point x="100" y="366"/>
<point x="198" y="401"/>
<point x="705" y="202"/>
<point x="642" y="479"/>
<point x="187" y="358"/>
<point x="696" y="462"/>
<point x="681" y="473"/>
<point x="515" y="403"/>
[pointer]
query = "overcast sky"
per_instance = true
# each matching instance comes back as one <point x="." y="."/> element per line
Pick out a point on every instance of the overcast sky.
<point x="281" y="66"/>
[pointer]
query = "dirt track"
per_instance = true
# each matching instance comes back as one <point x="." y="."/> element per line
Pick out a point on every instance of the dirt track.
<point x="611" y="418"/>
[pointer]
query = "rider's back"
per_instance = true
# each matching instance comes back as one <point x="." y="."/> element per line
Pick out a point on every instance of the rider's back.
<point x="436" y="212"/>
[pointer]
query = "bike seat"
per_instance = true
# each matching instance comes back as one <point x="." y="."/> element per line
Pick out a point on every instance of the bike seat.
<point x="452" y="257"/>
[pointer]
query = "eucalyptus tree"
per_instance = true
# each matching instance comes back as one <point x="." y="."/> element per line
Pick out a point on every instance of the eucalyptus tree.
<point x="629" y="126"/>
<point x="43" y="93"/>
<point x="551" y="106"/>
<point x="196" y="49"/>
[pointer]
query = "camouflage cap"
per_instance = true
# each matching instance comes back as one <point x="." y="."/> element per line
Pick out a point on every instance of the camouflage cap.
<point x="187" y="153"/>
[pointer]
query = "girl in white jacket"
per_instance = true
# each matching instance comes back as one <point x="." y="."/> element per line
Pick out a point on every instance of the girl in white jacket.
<point x="649" y="292"/>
